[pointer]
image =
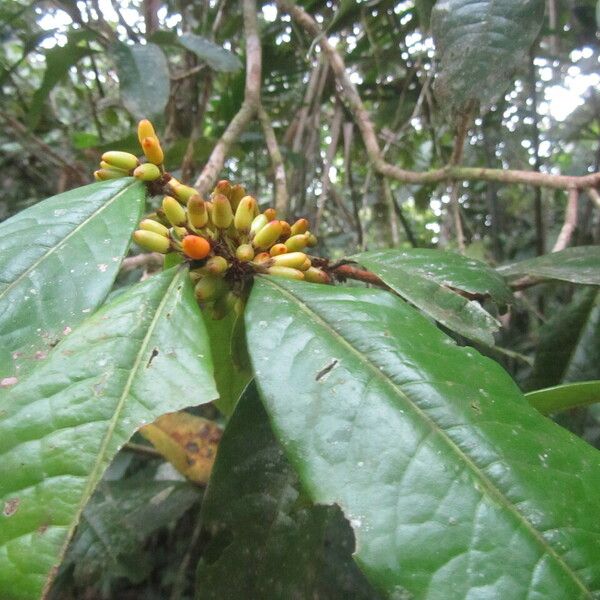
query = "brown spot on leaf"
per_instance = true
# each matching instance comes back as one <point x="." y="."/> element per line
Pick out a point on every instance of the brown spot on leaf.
<point x="10" y="507"/>
<point x="42" y="528"/>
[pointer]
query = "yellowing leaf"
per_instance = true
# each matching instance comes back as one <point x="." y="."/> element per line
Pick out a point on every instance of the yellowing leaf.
<point x="188" y="442"/>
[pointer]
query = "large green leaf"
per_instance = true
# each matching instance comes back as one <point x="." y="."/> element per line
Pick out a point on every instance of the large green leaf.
<point x="577" y="265"/>
<point x="119" y="518"/>
<point x="143" y="79"/>
<point x="215" y="56"/>
<point x="455" y="486"/>
<point x="565" y="397"/>
<point x="269" y="540"/>
<point x="424" y="278"/>
<point x="58" y="260"/>
<point x="143" y="355"/>
<point x="471" y="37"/>
<point x="569" y="345"/>
<point x="232" y="375"/>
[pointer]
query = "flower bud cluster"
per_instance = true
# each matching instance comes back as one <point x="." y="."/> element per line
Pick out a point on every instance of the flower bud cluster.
<point x="225" y="238"/>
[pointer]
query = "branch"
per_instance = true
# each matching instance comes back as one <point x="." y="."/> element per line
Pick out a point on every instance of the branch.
<point x="347" y="271"/>
<point x="594" y="195"/>
<point x="150" y="262"/>
<point x="367" y="130"/>
<point x="566" y="232"/>
<point x="281" y="191"/>
<point x="335" y="128"/>
<point x="249" y="107"/>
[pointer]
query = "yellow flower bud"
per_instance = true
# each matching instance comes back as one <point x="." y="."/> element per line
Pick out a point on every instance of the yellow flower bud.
<point x="145" y="130"/>
<point x="121" y="160"/>
<point x="147" y="172"/>
<point x="245" y="252"/>
<point x="105" y="174"/>
<point x="267" y="236"/>
<point x="222" y="215"/>
<point x="236" y="193"/>
<point x="315" y="275"/>
<point x="286" y="272"/>
<point x="297" y="242"/>
<point x="244" y="215"/>
<point x="153" y="151"/>
<point x="182" y="192"/>
<point x="294" y="260"/>
<point x="152" y="241"/>
<point x="197" y="213"/>
<point x="174" y="211"/>
<point x="300" y="226"/>
<point x="155" y="226"/>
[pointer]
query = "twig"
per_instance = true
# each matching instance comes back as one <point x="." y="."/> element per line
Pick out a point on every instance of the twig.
<point x="350" y="271"/>
<point x="249" y="107"/>
<point x="334" y="132"/>
<point x="455" y="207"/>
<point x="566" y="232"/>
<point x="281" y="191"/>
<point x="538" y="213"/>
<point x="389" y="201"/>
<point x="366" y="127"/>
<point x="143" y="450"/>
<point x="188" y="73"/>
<point x="348" y="130"/>
<point x="594" y="195"/>
<point x="188" y="158"/>
<point x="149" y="261"/>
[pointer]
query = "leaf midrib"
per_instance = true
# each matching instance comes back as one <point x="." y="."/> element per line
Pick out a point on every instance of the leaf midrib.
<point x="62" y="242"/>
<point x="95" y="472"/>
<point x="487" y="485"/>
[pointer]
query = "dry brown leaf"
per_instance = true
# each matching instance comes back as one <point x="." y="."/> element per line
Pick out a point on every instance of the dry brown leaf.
<point x="188" y="442"/>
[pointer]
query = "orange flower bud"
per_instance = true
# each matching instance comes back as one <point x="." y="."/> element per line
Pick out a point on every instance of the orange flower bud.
<point x="153" y="151"/>
<point x="278" y="249"/>
<point x="195" y="247"/>
<point x="146" y="130"/>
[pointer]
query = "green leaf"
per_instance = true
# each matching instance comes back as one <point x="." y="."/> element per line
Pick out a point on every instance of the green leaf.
<point x="569" y="345"/>
<point x="143" y="79"/>
<point x="141" y="356"/>
<point x="577" y="265"/>
<point x="231" y="374"/>
<point x="119" y="518"/>
<point x="454" y="485"/>
<point x="470" y="37"/>
<point x="268" y="539"/>
<point x="58" y="62"/>
<point x="58" y="260"/>
<point x="565" y="397"/>
<point x="215" y="56"/>
<point x="424" y="278"/>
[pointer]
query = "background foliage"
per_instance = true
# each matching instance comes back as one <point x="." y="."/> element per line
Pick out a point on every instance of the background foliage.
<point x="74" y="78"/>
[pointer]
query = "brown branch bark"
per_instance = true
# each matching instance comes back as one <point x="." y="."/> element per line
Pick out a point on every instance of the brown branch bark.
<point x="149" y="261"/>
<point x="250" y="105"/>
<point x="566" y="232"/>
<point x="367" y="130"/>
<point x="334" y="132"/>
<point x="281" y="191"/>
